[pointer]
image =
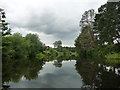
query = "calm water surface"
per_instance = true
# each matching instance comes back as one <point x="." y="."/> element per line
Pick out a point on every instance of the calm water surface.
<point x="63" y="74"/>
<point x="53" y="77"/>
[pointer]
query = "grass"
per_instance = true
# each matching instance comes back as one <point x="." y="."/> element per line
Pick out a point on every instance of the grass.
<point x="113" y="59"/>
<point x="113" y="56"/>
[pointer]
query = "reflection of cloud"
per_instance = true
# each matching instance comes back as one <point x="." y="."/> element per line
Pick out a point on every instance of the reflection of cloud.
<point x="64" y="77"/>
<point x="52" y="77"/>
<point x="23" y="78"/>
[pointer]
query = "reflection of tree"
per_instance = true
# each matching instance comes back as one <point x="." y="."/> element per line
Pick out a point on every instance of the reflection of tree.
<point x="108" y="78"/>
<point x="33" y="69"/>
<point x="87" y="70"/>
<point x="95" y="76"/>
<point x="14" y="70"/>
<point x="58" y="63"/>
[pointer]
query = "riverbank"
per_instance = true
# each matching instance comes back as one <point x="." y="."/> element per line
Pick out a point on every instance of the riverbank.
<point x="113" y="59"/>
<point x="113" y="56"/>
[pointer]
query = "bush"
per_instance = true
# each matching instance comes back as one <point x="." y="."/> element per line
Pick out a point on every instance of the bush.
<point x="40" y="56"/>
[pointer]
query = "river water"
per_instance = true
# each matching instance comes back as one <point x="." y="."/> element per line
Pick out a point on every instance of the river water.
<point x="63" y="74"/>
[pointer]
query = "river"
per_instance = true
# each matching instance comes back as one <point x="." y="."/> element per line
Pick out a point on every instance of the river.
<point x="62" y="74"/>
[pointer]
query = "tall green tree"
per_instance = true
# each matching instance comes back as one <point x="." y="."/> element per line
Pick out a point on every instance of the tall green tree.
<point x="107" y="24"/>
<point x="85" y="40"/>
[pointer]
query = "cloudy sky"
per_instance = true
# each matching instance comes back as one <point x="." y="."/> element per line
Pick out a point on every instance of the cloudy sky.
<point x="51" y="19"/>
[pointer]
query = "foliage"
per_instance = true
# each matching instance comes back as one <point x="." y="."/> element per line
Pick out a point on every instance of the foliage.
<point x="113" y="59"/>
<point x="15" y="69"/>
<point x="106" y="26"/>
<point x="16" y="53"/>
<point x="36" y="45"/>
<point x="40" y="56"/>
<point x="113" y="56"/>
<point x="4" y="29"/>
<point x="50" y="54"/>
<point x="16" y="46"/>
<point x="106" y="49"/>
<point x="54" y="53"/>
<point x="101" y="36"/>
<point x="85" y="41"/>
<point x="57" y="44"/>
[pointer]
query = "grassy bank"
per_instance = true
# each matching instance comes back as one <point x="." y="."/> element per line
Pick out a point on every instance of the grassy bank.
<point x="113" y="59"/>
<point x="113" y="56"/>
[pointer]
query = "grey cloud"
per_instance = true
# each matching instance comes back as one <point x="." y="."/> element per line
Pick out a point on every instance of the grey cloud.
<point x="49" y="23"/>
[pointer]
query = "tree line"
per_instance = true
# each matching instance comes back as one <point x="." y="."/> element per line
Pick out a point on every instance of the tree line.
<point x="16" y="46"/>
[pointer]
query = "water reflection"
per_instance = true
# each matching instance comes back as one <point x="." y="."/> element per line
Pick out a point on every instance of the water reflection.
<point x="58" y="63"/>
<point x="53" y="77"/>
<point x="97" y="75"/>
<point x="59" y="73"/>
<point x="14" y="70"/>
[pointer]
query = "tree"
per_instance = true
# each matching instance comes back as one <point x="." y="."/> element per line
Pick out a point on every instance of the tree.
<point x="85" y="41"/>
<point x="87" y="18"/>
<point x="4" y="29"/>
<point x="58" y="63"/>
<point x="107" y="24"/>
<point x="57" y="44"/>
<point x="87" y="29"/>
<point x="36" y="46"/>
<point x="15" y="46"/>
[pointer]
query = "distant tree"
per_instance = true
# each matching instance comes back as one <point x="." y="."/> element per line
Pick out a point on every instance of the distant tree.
<point x="57" y="44"/>
<point x="58" y="63"/>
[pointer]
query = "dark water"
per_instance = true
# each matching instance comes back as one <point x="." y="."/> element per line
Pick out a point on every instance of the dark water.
<point x="61" y="74"/>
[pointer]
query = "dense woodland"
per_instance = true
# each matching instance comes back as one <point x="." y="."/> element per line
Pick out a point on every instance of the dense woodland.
<point x="99" y="38"/>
